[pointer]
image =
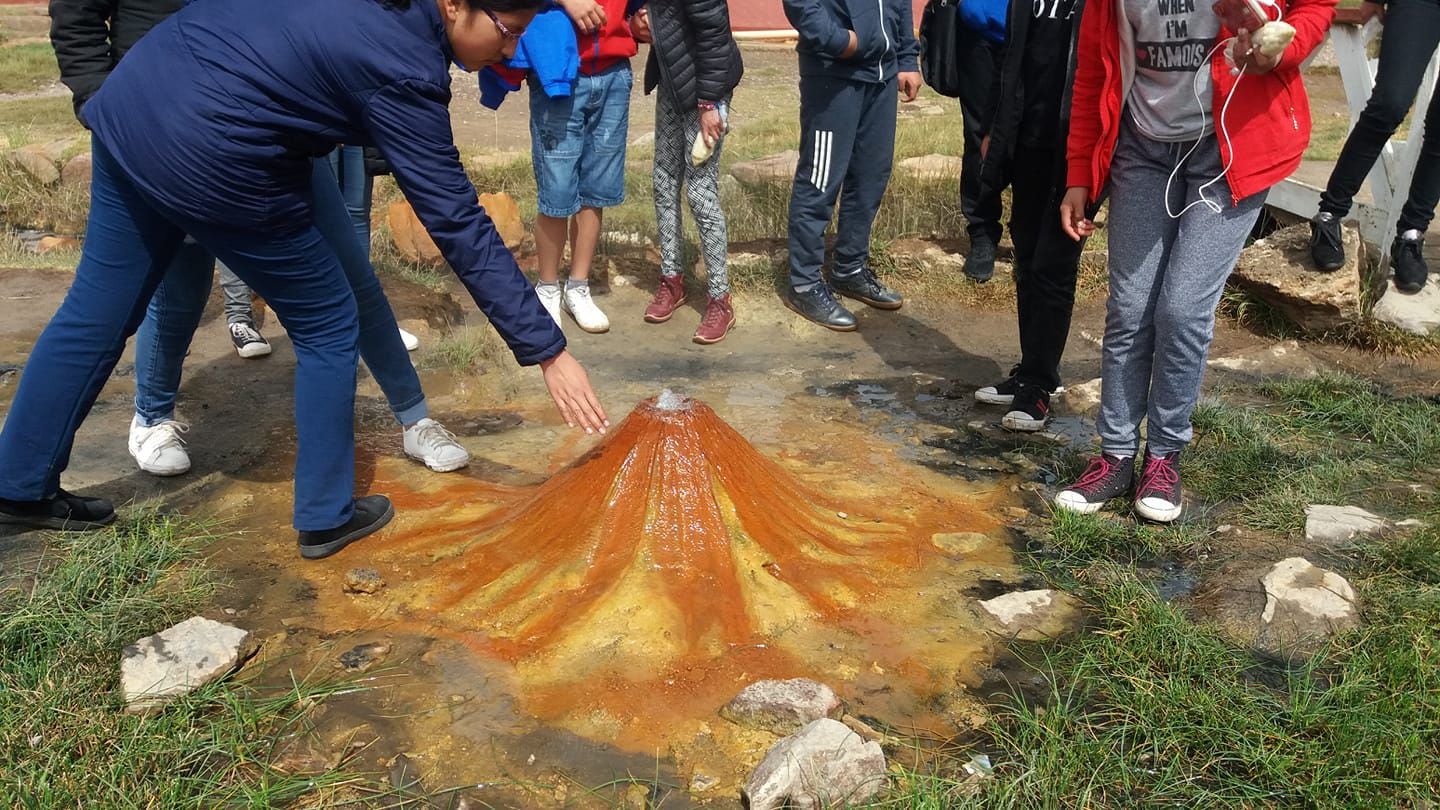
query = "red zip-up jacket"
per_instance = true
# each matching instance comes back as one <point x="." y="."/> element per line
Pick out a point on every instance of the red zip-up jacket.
<point x="1268" y="120"/>
<point x="612" y="44"/>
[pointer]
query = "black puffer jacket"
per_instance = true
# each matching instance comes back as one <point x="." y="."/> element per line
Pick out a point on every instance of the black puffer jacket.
<point x="694" y="54"/>
<point x="90" y="36"/>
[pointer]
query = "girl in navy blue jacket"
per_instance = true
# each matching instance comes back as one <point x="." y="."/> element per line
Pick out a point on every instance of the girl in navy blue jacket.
<point x="208" y="127"/>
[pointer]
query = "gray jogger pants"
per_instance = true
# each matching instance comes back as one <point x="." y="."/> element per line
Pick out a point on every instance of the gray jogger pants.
<point x="1166" y="276"/>
<point x="238" y="306"/>
<point x="675" y="131"/>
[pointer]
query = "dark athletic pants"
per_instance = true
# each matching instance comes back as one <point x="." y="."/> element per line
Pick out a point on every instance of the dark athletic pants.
<point x="1412" y="31"/>
<point x="979" y="62"/>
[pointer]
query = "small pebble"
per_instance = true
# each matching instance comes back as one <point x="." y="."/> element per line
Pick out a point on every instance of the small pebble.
<point x="363" y="581"/>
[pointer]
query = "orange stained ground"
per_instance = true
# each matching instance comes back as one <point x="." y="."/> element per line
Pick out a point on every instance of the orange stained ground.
<point x="672" y="563"/>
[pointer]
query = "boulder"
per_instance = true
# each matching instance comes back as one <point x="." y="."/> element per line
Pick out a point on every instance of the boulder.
<point x="1278" y="271"/>
<point x="156" y="669"/>
<point x="1304" y="606"/>
<point x="1284" y="359"/>
<point x="1417" y="314"/>
<point x="824" y="765"/>
<point x="1338" y="525"/>
<point x="506" y="215"/>
<point x="50" y="244"/>
<point x="1084" y="397"/>
<point x="1032" y="615"/>
<point x="410" y="237"/>
<point x="77" y="171"/>
<point x="782" y="707"/>
<point x="932" y="167"/>
<point x="34" y="164"/>
<point x="772" y="170"/>
<point x="960" y="544"/>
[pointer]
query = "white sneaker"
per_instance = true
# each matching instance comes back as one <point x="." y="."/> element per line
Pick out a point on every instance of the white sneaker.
<point x="550" y="295"/>
<point x="581" y="306"/>
<point x="428" y="442"/>
<point x="411" y="342"/>
<point x="159" y="450"/>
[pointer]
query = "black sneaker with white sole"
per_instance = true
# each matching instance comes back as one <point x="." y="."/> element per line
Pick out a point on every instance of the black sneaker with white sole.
<point x="1106" y="477"/>
<point x="1158" y="496"/>
<point x="63" y="511"/>
<point x="1029" y="411"/>
<point x="1327" y="248"/>
<point x="248" y="341"/>
<point x="371" y="514"/>
<point x="1001" y="393"/>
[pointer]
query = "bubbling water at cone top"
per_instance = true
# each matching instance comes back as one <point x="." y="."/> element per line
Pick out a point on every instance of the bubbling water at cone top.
<point x="672" y="563"/>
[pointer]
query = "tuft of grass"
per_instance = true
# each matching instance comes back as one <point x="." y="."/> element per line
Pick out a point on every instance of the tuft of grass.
<point x="26" y="67"/>
<point x="64" y="738"/>
<point x="467" y="350"/>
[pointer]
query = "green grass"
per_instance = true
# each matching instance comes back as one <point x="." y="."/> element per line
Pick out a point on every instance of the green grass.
<point x="64" y="739"/>
<point x="1152" y="705"/>
<point x="467" y="350"/>
<point x="38" y="120"/>
<point x="27" y="67"/>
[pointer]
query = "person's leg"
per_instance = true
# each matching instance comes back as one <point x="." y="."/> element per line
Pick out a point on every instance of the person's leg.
<point x="238" y="306"/>
<point x="1419" y="207"/>
<point x="606" y="122"/>
<point x="1052" y="266"/>
<point x="1029" y="193"/>
<point x="829" y="115"/>
<point x="163" y="339"/>
<point x="866" y="177"/>
<point x="556" y="141"/>
<point x="356" y="187"/>
<point x="671" y="156"/>
<point x="302" y="280"/>
<point x="979" y="62"/>
<point x="128" y="246"/>
<point x="702" y="187"/>
<point x="1412" y="30"/>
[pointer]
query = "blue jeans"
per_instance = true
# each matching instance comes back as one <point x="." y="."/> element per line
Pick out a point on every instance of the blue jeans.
<point x="130" y="244"/>
<point x="347" y="163"/>
<point x="174" y="313"/>
<point x="577" y="143"/>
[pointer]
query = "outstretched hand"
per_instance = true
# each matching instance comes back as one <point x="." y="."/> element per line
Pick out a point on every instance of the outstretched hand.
<point x="570" y="388"/>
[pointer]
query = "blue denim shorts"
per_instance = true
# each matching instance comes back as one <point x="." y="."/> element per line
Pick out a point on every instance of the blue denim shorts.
<point x="577" y="144"/>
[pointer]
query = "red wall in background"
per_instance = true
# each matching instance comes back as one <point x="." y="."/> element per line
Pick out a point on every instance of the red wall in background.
<point x="766" y="15"/>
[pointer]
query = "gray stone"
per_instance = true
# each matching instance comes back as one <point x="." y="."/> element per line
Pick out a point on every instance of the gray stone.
<point x="1338" y="525"/>
<point x="1032" y="615"/>
<point x="364" y="656"/>
<point x="1304" y="606"/>
<point x="782" y="707"/>
<point x="701" y="782"/>
<point x="960" y="544"/>
<point x="1083" y="398"/>
<point x="824" y="765"/>
<point x="363" y="581"/>
<point x="156" y="669"/>
<point x="1278" y="271"/>
<point x="1418" y="313"/>
<point x="77" y="171"/>
<point x="932" y="167"/>
<point x="34" y="163"/>
<point x="771" y="170"/>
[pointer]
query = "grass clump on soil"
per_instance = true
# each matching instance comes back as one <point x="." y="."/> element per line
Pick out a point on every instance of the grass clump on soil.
<point x="65" y="740"/>
<point x="1153" y="704"/>
<point x="27" y="66"/>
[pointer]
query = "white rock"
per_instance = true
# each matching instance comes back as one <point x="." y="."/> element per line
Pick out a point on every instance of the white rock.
<point x="1032" y="615"/>
<point x="932" y="167"/>
<point x="1304" y="605"/>
<point x="782" y="707"/>
<point x="1337" y="525"/>
<point x="825" y="764"/>
<point x="1286" y="358"/>
<point x="1418" y="313"/>
<point x="1083" y="398"/>
<point x="179" y="660"/>
<point x="960" y="544"/>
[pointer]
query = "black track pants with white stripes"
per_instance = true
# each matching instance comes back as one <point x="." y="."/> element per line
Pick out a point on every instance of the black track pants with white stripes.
<point x="847" y="143"/>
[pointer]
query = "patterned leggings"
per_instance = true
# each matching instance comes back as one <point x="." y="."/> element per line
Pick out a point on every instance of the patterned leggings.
<point x="674" y="133"/>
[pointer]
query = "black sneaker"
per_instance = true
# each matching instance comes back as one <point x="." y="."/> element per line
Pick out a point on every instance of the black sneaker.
<point x="247" y="340"/>
<point x="1407" y="257"/>
<point x="980" y="261"/>
<point x="1001" y="393"/>
<point x="1105" y="477"/>
<point x="1327" y="247"/>
<point x="371" y="514"/>
<point x="818" y="304"/>
<point x="64" y="511"/>
<point x="1030" y="410"/>
<point x="863" y="286"/>
<point x="1157" y="496"/>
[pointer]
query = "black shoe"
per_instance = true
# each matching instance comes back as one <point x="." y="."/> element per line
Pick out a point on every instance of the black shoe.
<point x="865" y="288"/>
<point x="371" y="514"/>
<point x="980" y="261"/>
<point x="1327" y="247"/>
<point x="64" y="511"/>
<point x="1030" y="411"/>
<point x="1001" y="393"/>
<point x="248" y="341"/>
<point x="1408" y="259"/>
<point x="1106" y="477"/>
<point x="818" y="304"/>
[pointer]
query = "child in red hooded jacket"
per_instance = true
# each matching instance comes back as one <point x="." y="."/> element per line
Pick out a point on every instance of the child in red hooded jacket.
<point x="1187" y="142"/>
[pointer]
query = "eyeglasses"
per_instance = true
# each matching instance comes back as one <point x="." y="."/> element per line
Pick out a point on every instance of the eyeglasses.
<point x="500" y="26"/>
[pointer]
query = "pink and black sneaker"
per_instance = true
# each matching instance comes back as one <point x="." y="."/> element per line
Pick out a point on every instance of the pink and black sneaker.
<point x="1157" y="497"/>
<point x="1106" y="477"/>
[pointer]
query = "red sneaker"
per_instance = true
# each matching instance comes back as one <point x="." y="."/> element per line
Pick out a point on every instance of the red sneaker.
<point x="719" y="317"/>
<point x="667" y="299"/>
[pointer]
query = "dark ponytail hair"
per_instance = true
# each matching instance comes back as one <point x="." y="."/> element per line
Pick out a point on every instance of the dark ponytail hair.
<point x="497" y="6"/>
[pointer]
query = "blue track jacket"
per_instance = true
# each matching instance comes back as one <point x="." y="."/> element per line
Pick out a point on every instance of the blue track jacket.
<point x="216" y="113"/>
<point x="884" y="33"/>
